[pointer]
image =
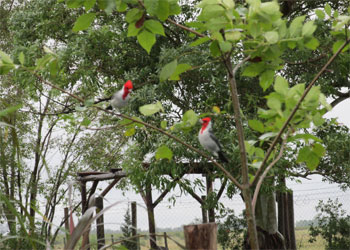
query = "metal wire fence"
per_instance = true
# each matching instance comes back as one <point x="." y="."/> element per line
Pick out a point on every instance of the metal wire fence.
<point x="171" y="217"/>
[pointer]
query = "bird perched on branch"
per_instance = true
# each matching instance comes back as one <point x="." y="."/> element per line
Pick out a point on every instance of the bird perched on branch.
<point x="208" y="140"/>
<point x="122" y="96"/>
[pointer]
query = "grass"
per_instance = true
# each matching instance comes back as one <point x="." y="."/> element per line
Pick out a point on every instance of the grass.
<point x="302" y="241"/>
<point x="301" y="235"/>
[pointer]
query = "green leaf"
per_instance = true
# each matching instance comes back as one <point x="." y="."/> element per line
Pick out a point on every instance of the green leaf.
<point x="296" y="26"/>
<point x="310" y="157"/>
<point x="256" y="125"/>
<point x="126" y="122"/>
<point x="5" y="58"/>
<point x="146" y="40"/>
<point x="88" y="4"/>
<point x="130" y="132"/>
<point x="151" y="6"/>
<point x="328" y="9"/>
<point x="229" y="4"/>
<point x="266" y="79"/>
<point x="317" y="119"/>
<point x="292" y="44"/>
<point x="274" y="103"/>
<point x="225" y="46"/>
<point x="163" y="124"/>
<point x="281" y="85"/>
<point x="74" y="3"/>
<point x="163" y="10"/>
<point x="308" y="28"/>
<point x="6" y="68"/>
<point x="253" y="69"/>
<point x="303" y="154"/>
<point x="305" y="137"/>
<point x="10" y="110"/>
<point x="337" y="45"/>
<point x="174" y="8"/>
<point x="89" y="102"/>
<point x="132" y="30"/>
<point x="151" y="109"/>
<point x="271" y="37"/>
<point x="181" y="68"/>
<point x="215" y="49"/>
<point x="267" y="136"/>
<point x="121" y="6"/>
<point x="320" y="14"/>
<point x="319" y="149"/>
<point x="312" y="44"/>
<point x="53" y="68"/>
<point x="211" y="11"/>
<point x="42" y="62"/>
<point x="190" y="118"/>
<point x="21" y="58"/>
<point x="133" y="15"/>
<point x="271" y="8"/>
<point x="85" y="122"/>
<point x="155" y="27"/>
<point x="233" y="35"/>
<point x="163" y="152"/>
<point x="83" y="22"/>
<point x="199" y="41"/>
<point x="167" y="70"/>
<point x="218" y="23"/>
<point x="102" y="4"/>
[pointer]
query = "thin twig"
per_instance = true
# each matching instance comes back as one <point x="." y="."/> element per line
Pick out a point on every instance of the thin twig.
<point x="273" y="144"/>
<point x="185" y="28"/>
<point x="262" y="177"/>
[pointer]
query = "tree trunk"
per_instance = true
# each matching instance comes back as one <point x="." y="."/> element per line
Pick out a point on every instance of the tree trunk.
<point x="286" y="218"/>
<point x="266" y="223"/>
<point x="202" y="236"/>
<point x="151" y="220"/>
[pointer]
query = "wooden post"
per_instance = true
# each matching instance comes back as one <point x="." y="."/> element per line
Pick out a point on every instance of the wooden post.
<point x="202" y="236"/>
<point x="165" y="241"/>
<point x="84" y="204"/>
<point x="66" y="222"/>
<point x="134" y="223"/>
<point x="204" y="211"/>
<point x="291" y="226"/>
<point x="211" y="211"/>
<point x="151" y="220"/>
<point x="100" y="224"/>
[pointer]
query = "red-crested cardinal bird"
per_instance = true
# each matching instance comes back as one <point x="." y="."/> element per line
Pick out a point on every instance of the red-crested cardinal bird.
<point x="121" y="97"/>
<point x="208" y="140"/>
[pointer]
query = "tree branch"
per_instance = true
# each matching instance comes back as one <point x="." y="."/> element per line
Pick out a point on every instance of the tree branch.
<point x="262" y="177"/>
<point x="185" y="28"/>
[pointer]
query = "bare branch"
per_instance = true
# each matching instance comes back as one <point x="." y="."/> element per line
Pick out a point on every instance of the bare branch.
<point x="262" y="177"/>
<point x="185" y="28"/>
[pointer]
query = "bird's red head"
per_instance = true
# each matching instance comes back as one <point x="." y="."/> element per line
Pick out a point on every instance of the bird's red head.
<point x="128" y="85"/>
<point x="127" y="88"/>
<point x="205" y="121"/>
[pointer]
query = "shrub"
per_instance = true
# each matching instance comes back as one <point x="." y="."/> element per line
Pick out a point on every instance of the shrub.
<point x="332" y="224"/>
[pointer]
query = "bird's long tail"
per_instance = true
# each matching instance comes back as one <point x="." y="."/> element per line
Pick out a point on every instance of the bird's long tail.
<point x="222" y="157"/>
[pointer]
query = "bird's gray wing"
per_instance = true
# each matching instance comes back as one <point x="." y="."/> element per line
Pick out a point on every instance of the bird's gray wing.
<point x="212" y="136"/>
